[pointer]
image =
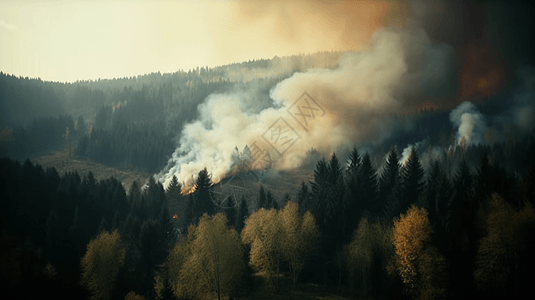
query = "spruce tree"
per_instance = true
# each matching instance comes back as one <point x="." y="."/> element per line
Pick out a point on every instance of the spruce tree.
<point x="243" y="212"/>
<point x="412" y="180"/>
<point x="353" y="164"/>
<point x="204" y="202"/>
<point x="303" y="199"/>
<point x="352" y="197"/>
<point x="262" y="200"/>
<point x="367" y="184"/>
<point x="390" y="175"/>
<point x="229" y="209"/>
<point x="320" y="189"/>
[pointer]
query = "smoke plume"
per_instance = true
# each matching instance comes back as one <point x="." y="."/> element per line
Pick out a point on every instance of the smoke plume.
<point x="347" y="105"/>
<point x="470" y="124"/>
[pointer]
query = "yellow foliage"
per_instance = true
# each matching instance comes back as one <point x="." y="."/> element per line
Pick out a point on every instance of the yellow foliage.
<point x="421" y="268"/>
<point x="300" y="235"/>
<point x="178" y="256"/>
<point x="101" y="264"/>
<point x="133" y="296"/>
<point x="49" y="271"/>
<point x="264" y="233"/>
<point x="209" y="262"/>
<point x="505" y="236"/>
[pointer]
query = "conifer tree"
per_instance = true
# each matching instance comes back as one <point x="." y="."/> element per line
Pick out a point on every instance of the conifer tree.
<point x="243" y="212"/>
<point x="367" y="183"/>
<point x="412" y="183"/>
<point x="262" y="199"/>
<point x="390" y="176"/>
<point x="437" y="194"/>
<point x="303" y="199"/>
<point x="203" y="196"/>
<point x="353" y="163"/>
<point x="229" y="209"/>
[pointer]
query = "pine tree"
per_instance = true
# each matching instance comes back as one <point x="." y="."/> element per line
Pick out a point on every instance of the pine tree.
<point x="390" y="176"/>
<point x="437" y="195"/>
<point x="262" y="200"/>
<point x="271" y="202"/>
<point x="174" y="191"/>
<point x="367" y="184"/>
<point x="352" y="210"/>
<point x="303" y="199"/>
<point x="188" y="215"/>
<point x="483" y="180"/>
<point x="320" y="189"/>
<point x="243" y="212"/>
<point x="353" y="164"/>
<point x="203" y="196"/>
<point x="412" y="183"/>
<point x="229" y="209"/>
<point x="462" y="207"/>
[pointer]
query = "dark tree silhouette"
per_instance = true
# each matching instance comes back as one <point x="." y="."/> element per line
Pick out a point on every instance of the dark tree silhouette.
<point x="203" y="196"/>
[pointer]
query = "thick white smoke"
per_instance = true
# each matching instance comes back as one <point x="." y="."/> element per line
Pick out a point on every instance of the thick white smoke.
<point x="343" y="106"/>
<point x="470" y="123"/>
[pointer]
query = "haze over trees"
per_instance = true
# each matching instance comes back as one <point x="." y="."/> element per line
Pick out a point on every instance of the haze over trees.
<point x="381" y="223"/>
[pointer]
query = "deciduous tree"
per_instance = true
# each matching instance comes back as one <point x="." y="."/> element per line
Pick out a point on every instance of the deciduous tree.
<point x="419" y="264"/>
<point x="101" y="264"/>
<point x="300" y="237"/>
<point x="214" y="267"/>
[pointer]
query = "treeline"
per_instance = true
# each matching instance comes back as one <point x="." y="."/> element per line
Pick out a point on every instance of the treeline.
<point x="47" y="221"/>
<point x="352" y="230"/>
<point x="41" y="136"/>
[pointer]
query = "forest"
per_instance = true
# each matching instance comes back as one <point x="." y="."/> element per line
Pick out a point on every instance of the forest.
<point x="401" y="232"/>
<point x="393" y="221"/>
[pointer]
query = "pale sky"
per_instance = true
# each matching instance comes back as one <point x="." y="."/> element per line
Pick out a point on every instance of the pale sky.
<point x="80" y="40"/>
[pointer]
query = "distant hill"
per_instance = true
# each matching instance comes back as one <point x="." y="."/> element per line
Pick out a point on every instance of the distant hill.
<point x="61" y="161"/>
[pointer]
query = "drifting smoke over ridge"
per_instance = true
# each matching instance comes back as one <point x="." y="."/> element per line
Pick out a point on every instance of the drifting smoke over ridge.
<point x="440" y="53"/>
<point x="399" y="69"/>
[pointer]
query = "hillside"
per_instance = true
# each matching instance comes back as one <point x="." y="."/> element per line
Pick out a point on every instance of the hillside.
<point x="61" y="161"/>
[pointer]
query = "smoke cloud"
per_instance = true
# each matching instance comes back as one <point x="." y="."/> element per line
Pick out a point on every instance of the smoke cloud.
<point x="347" y="105"/>
<point x="470" y="124"/>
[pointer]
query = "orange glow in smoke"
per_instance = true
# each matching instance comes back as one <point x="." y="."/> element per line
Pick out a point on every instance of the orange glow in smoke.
<point x="482" y="72"/>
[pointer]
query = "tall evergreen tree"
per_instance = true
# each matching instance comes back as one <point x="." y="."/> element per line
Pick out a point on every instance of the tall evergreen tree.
<point x="262" y="199"/>
<point x="353" y="163"/>
<point x="229" y="209"/>
<point x="204" y="202"/>
<point x="271" y="202"/>
<point x="437" y="194"/>
<point x="367" y="184"/>
<point x="174" y="191"/>
<point x="389" y="178"/>
<point x="352" y="209"/>
<point x="320" y="190"/>
<point x="243" y="212"/>
<point x="483" y="187"/>
<point x="412" y="180"/>
<point x="188" y="214"/>
<point x="303" y="199"/>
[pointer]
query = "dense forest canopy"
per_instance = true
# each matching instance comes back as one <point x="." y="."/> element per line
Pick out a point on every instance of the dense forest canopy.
<point x="407" y="171"/>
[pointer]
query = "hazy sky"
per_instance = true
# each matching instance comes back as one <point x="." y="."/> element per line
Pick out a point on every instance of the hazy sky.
<point x="72" y="40"/>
